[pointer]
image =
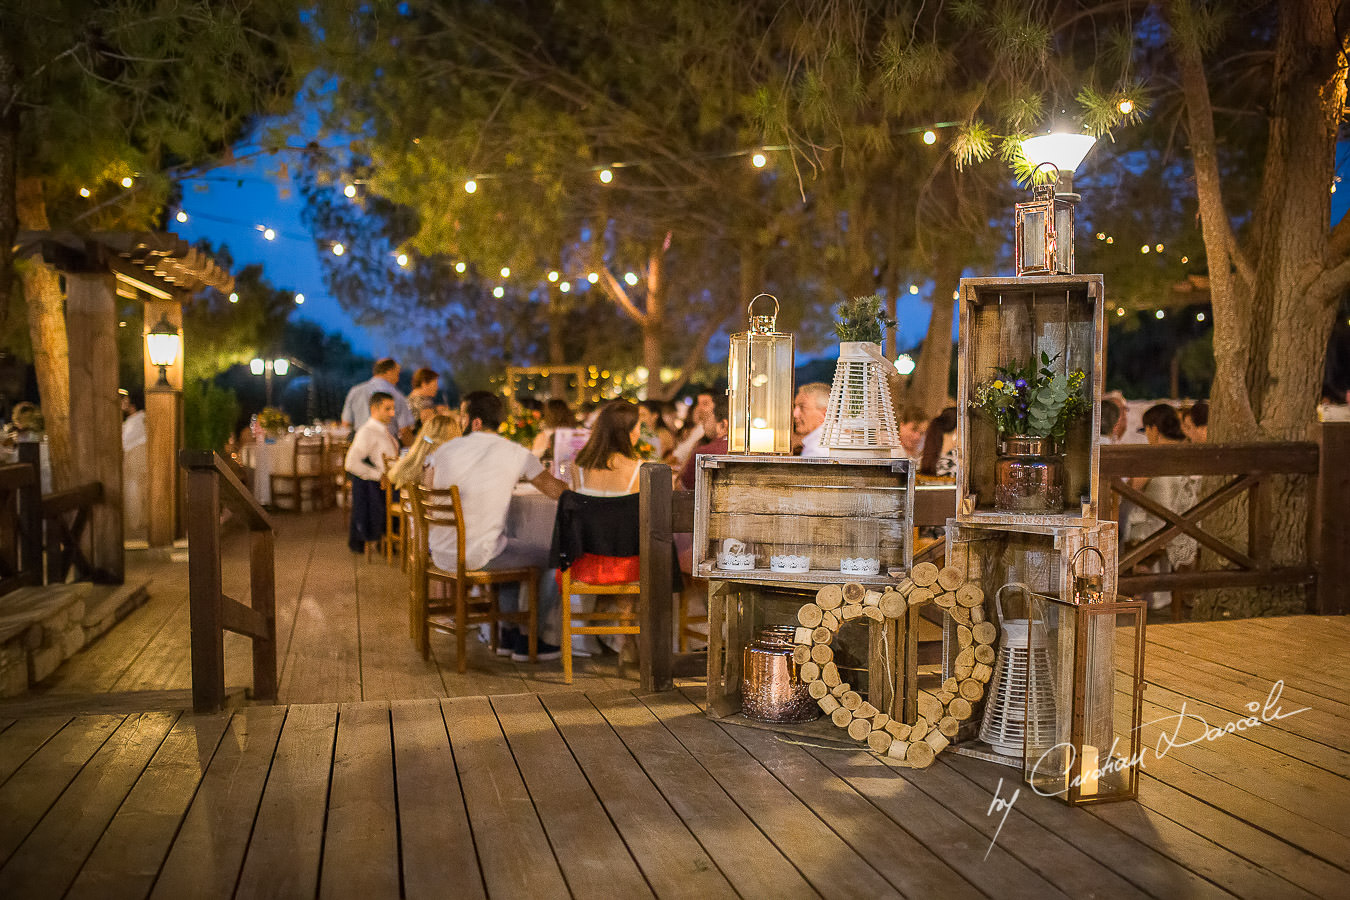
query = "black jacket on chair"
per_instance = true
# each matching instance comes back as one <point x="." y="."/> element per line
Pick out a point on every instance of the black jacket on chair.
<point x="605" y="526"/>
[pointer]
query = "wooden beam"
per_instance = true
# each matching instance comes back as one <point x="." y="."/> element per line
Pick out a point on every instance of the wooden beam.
<point x="1333" y="521"/>
<point x="1128" y="460"/>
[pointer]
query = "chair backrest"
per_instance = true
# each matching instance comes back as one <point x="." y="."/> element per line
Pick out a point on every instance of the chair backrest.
<point x="608" y="526"/>
<point x="309" y="455"/>
<point x="437" y="508"/>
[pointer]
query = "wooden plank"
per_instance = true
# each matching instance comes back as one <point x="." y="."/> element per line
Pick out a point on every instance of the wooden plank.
<point x="669" y="856"/>
<point x="1139" y="862"/>
<point x="829" y="864"/>
<point x="128" y="857"/>
<point x="1129" y="460"/>
<point x="741" y="851"/>
<point x="360" y="843"/>
<point x="22" y="738"/>
<point x="656" y="639"/>
<point x="49" y="858"/>
<point x="287" y="841"/>
<point x="998" y="874"/>
<point x="322" y="659"/>
<point x="390" y="667"/>
<point x="437" y="846"/>
<point x="513" y="851"/>
<point x="1302" y="671"/>
<point x="590" y="852"/>
<point x="902" y="860"/>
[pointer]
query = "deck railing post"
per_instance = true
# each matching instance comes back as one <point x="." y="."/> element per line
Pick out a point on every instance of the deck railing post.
<point x="1333" y="520"/>
<point x="30" y="516"/>
<point x="657" y="634"/>
<point x="204" y="585"/>
<point x="262" y="580"/>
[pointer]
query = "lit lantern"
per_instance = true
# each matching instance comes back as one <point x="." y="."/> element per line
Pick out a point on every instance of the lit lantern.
<point x="1044" y="231"/>
<point x="759" y="386"/>
<point x="161" y="345"/>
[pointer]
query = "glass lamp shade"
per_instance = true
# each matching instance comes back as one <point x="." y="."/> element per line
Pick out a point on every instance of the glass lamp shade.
<point x="281" y="366"/>
<point x="162" y="343"/>
<point x="1044" y="235"/>
<point x="257" y="366"/>
<point x="1064" y="150"/>
<point x="759" y="379"/>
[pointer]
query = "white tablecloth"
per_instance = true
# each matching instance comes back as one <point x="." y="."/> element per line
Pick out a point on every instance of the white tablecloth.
<point x="530" y="515"/>
<point x="267" y="460"/>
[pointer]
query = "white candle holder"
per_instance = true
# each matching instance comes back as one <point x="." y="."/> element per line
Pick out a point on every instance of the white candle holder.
<point x="789" y="563"/>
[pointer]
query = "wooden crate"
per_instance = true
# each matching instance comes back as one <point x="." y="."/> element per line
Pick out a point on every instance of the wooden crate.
<point x="1012" y="320"/>
<point x="827" y="509"/>
<point x="877" y="659"/>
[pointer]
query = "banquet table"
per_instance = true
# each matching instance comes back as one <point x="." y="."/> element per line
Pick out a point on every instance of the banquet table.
<point x="274" y="458"/>
<point x="530" y="515"/>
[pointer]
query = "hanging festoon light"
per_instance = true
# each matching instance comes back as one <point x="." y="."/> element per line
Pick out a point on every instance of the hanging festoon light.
<point x="759" y="385"/>
<point x="1044" y="226"/>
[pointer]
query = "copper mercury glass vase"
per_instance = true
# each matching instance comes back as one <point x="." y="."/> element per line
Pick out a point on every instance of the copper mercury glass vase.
<point x="772" y="689"/>
<point x="1028" y="476"/>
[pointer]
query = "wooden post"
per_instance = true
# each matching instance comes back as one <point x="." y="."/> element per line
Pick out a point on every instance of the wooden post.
<point x="30" y="516"/>
<point x="204" y="612"/>
<point x="262" y="579"/>
<point x="164" y="435"/>
<point x="1333" y="520"/>
<point x="96" y="415"/>
<point x="656" y="637"/>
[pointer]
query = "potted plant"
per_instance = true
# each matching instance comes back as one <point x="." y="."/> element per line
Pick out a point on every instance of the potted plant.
<point x="860" y="420"/>
<point x="273" y="422"/>
<point x="1031" y="406"/>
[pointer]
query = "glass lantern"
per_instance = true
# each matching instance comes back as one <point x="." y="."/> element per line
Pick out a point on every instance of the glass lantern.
<point x="759" y="386"/>
<point x="161" y="345"/>
<point x="1044" y="230"/>
<point x="1096" y="654"/>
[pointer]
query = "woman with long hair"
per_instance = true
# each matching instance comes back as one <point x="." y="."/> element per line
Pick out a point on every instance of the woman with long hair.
<point x="411" y="467"/>
<point x="939" y="446"/>
<point x="1162" y="427"/>
<point x="608" y="465"/>
<point x="557" y="414"/>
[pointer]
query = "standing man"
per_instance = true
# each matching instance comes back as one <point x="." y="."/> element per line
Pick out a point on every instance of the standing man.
<point x="808" y="417"/>
<point x="356" y="409"/>
<point x="365" y="467"/>
<point x="486" y="467"/>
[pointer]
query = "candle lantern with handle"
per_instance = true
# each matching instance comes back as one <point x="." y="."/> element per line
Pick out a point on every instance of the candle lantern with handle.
<point x="759" y="385"/>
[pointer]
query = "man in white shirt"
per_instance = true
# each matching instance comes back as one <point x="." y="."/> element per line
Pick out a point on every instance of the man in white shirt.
<point x="808" y="417"/>
<point x="365" y="467"/>
<point x="486" y="467"/>
<point x="356" y="408"/>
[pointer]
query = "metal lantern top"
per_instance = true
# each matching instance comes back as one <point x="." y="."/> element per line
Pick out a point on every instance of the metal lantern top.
<point x="762" y="324"/>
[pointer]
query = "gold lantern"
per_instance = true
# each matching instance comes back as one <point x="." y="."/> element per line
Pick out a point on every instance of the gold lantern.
<point x="1044" y="230"/>
<point x="759" y="386"/>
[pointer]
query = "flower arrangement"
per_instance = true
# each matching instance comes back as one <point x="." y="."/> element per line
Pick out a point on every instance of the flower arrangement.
<point x="1031" y="401"/>
<point x="273" y="419"/>
<point x="522" y="427"/>
<point x="861" y="319"/>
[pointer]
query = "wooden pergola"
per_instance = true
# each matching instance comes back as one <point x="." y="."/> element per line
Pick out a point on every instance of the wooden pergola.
<point x="163" y="271"/>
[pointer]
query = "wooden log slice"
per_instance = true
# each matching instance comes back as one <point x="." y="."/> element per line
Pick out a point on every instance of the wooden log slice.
<point x="892" y="605"/>
<point x="840" y="689"/>
<point x="802" y="634"/>
<point x="972" y="690"/>
<point x="819" y="690"/>
<point x="960" y="709"/>
<point x="829" y="673"/>
<point x="830" y="596"/>
<point x="854" y="593"/>
<point x="949" y="726"/>
<point x="904" y="587"/>
<point x="851" y="700"/>
<point x="827" y="704"/>
<point x="879" y="741"/>
<point x="872" y="598"/>
<point x="966" y="657"/>
<point x="964" y="636"/>
<point x="809" y="615"/>
<point x="841" y="717"/>
<point x="866" y="711"/>
<point x="809" y="671"/>
<point x="920" y="754"/>
<point x="950" y="578"/>
<point x="985" y="633"/>
<point x="950" y="685"/>
<point x="946" y="599"/>
<point x="829" y="620"/>
<point x="898" y="730"/>
<point x="859" y="729"/>
<point x="945" y="697"/>
<point x="874" y="613"/>
<point x="937" y="740"/>
<point x="919" y="729"/>
<point x="970" y="595"/>
<point x="801" y="654"/>
<point x="985" y="654"/>
<point x="918" y="596"/>
<point x="880" y="720"/>
<point x="898" y="749"/>
<point x="977" y="614"/>
<point x="962" y="672"/>
<point x="924" y="574"/>
<point x="982" y="673"/>
<point x="822" y="653"/>
<point x="929" y="707"/>
<point x="821" y="635"/>
<point x="959" y="615"/>
<point x="851" y="611"/>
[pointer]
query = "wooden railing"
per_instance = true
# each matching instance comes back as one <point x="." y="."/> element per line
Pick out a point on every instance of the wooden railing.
<point x="20" y="527"/>
<point x="209" y="480"/>
<point x="65" y="517"/>
<point x="1243" y="470"/>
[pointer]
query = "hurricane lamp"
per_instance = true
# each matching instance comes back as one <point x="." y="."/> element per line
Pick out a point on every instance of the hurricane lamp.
<point x="759" y="385"/>
<point x="1044" y="230"/>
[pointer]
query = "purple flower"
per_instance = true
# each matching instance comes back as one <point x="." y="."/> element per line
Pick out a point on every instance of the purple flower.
<point x="1020" y="384"/>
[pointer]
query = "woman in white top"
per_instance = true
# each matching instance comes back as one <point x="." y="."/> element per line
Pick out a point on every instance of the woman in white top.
<point x="1178" y="493"/>
<point x="608" y="465"/>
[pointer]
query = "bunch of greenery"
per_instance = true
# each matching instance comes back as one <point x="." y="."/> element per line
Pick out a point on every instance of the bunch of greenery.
<point x="209" y="415"/>
<point x="1027" y="401"/>
<point x="522" y="427"/>
<point x="273" y="419"/>
<point x="861" y="319"/>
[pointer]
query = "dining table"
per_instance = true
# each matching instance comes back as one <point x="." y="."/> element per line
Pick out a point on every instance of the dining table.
<point x="276" y="456"/>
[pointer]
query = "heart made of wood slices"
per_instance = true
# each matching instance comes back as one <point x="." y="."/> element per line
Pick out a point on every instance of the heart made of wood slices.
<point x="941" y="712"/>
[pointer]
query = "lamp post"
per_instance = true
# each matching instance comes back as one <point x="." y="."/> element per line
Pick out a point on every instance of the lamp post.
<point x="1044" y="226"/>
<point x="161" y="346"/>
<point x="281" y="366"/>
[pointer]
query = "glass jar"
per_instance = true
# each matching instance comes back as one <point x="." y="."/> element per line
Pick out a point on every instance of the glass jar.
<point x="771" y="687"/>
<point x="1028" y="476"/>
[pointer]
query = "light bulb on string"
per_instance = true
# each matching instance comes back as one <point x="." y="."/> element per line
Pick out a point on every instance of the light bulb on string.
<point x="338" y="249"/>
<point x="470" y="186"/>
<point x="759" y="160"/>
<point x="499" y="292"/>
<point x="350" y="190"/>
<point x="606" y="176"/>
<point x="1101" y="236"/>
<point x="460" y="267"/>
<point x="1120" y="312"/>
<point x="1126" y="106"/>
<point x="127" y="182"/>
<point x="84" y="192"/>
<point x="1159" y="314"/>
<point x="631" y="279"/>
<point x="1185" y="259"/>
<point x="1199" y="317"/>
<point x="269" y="234"/>
<point x="553" y="276"/>
<point x="506" y="271"/>
<point x="1159" y="248"/>
<point x="913" y="288"/>
<point x="930" y="137"/>
<point x="1144" y="249"/>
<point x="299" y="299"/>
<point x="565" y="286"/>
<point x="402" y="260"/>
<point x="234" y="298"/>
<point x="593" y="277"/>
<point x="181" y="216"/>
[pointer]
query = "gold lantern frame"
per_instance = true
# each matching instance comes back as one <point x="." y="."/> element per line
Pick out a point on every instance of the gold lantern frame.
<point x="1044" y="229"/>
<point x="760" y="386"/>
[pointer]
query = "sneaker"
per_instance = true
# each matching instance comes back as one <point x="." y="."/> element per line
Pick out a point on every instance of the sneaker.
<point x="506" y="644"/>
<point x="544" y="651"/>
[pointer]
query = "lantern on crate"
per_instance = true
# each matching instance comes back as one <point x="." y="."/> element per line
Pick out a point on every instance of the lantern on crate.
<point x="1096" y="650"/>
<point x="1044" y="226"/>
<point x="759" y="386"/>
<point x="860" y="421"/>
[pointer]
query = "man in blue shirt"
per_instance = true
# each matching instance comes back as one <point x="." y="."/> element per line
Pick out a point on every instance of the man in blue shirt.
<point x="356" y="409"/>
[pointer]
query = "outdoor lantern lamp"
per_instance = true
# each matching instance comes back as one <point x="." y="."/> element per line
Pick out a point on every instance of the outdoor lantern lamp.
<point x="759" y="386"/>
<point x="1044" y="226"/>
<point x="161" y="345"/>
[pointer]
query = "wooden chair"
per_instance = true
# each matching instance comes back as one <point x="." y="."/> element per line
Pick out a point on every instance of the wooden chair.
<point x="441" y="508"/>
<point x="308" y="470"/>
<point x="395" y="517"/>
<point x="337" y="488"/>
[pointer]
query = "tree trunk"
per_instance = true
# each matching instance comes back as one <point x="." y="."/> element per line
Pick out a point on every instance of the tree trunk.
<point x="653" y="323"/>
<point x="47" y="326"/>
<point x="9" y="154"/>
<point x="928" y="387"/>
<point x="557" y="354"/>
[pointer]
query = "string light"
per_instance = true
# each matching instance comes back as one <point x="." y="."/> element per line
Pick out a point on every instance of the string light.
<point x="506" y="271"/>
<point x="1159" y="314"/>
<point x="565" y="286"/>
<point x="127" y="182"/>
<point x="338" y="249"/>
<point x="84" y="192"/>
<point x="1120" y="312"/>
<point x="1126" y="106"/>
<point x="269" y="234"/>
<point x="1101" y="236"/>
<point x="499" y="292"/>
<point x="1159" y="248"/>
<point x="759" y="160"/>
<point x="606" y="176"/>
<point x="234" y="298"/>
<point x="1199" y="317"/>
<point x="593" y="277"/>
<point x="930" y="137"/>
<point x="470" y="186"/>
<point x="913" y="288"/>
<point x="1110" y="240"/>
<point x="299" y="299"/>
<point x="460" y="267"/>
<point x="1143" y="249"/>
<point x="350" y="190"/>
<point x="402" y="260"/>
<point x="631" y="279"/>
<point x="121" y="324"/>
<point x="553" y="276"/>
<point x="182" y="216"/>
<point x="1185" y="259"/>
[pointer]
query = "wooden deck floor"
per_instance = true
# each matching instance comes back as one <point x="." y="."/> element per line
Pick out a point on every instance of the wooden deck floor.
<point x="532" y="790"/>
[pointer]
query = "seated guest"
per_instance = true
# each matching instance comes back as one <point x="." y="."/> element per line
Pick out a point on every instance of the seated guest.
<point x="557" y="414"/>
<point x="651" y="418"/>
<point x="1178" y="493"/>
<point x="608" y="465"/>
<point x="365" y="467"/>
<point x="412" y="468"/>
<point x="808" y="418"/>
<point x="719" y="426"/>
<point x="426" y="384"/>
<point x="486" y="467"/>
<point x="695" y="429"/>
<point x="939" y="446"/>
<point x="1110" y="416"/>
<point x="913" y="425"/>
<point x="1195" y="423"/>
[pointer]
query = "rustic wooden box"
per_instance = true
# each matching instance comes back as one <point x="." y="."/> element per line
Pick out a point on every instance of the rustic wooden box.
<point x="827" y="509"/>
<point x="1012" y="320"/>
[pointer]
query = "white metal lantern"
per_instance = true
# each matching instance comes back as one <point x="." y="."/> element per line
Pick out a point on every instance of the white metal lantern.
<point x="860" y="420"/>
<point x="759" y="386"/>
<point x="1044" y="231"/>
